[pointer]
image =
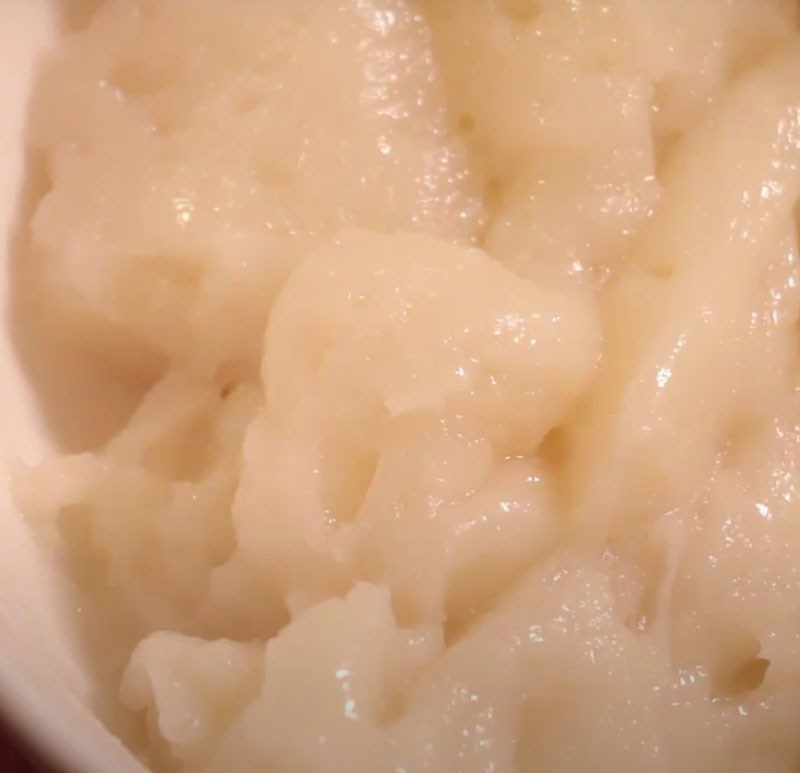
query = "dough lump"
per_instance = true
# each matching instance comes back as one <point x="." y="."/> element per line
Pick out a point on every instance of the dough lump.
<point x="473" y="439"/>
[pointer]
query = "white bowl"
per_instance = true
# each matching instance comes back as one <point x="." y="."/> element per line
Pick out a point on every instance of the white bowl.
<point x="44" y="686"/>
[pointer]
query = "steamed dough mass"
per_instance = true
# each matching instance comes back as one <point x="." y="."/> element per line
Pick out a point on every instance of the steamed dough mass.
<point x="474" y="438"/>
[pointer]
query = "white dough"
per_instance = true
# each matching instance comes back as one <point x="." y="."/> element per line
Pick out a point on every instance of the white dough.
<point x="474" y="436"/>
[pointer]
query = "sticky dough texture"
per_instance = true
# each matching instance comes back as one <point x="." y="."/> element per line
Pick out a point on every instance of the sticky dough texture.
<point x="474" y="439"/>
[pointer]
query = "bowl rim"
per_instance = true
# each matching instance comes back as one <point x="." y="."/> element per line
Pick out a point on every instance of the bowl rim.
<point x="45" y="730"/>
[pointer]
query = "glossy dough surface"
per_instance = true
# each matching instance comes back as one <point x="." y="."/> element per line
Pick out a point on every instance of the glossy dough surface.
<point x="473" y="433"/>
